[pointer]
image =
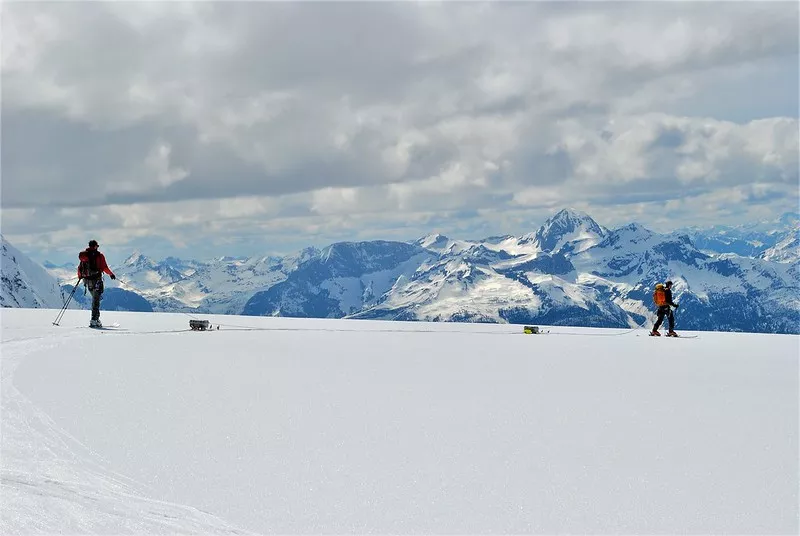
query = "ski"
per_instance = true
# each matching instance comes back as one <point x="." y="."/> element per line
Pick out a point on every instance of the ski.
<point x="113" y="326"/>
<point x="673" y="337"/>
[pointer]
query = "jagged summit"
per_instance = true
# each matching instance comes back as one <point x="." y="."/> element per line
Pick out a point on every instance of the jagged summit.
<point x="638" y="228"/>
<point x="570" y="213"/>
<point x="444" y="245"/>
<point x="137" y="259"/>
<point x="568" y="231"/>
<point x="435" y="241"/>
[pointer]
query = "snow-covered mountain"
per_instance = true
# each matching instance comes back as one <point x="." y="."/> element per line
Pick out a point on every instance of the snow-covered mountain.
<point x="569" y="271"/>
<point x="444" y="245"/>
<point x="747" y="239"/>
<point x="590" y="276"/>
<point x="66" y="273"/>
<point x="568" y="231"/>
<point x="143" y="274"/>
<point x="484" y="285"/>
<point x="787" y="250"/>
<point x="726" y="292"/>
<point x="342" y="279"/>
<point x="26" y="283"/>
<point x="222" y="285"/>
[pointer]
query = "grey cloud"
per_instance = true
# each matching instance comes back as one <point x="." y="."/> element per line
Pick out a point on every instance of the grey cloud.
<point x="536" y="168"/>
<point x="429" y="160"/>
<point x="342" y="48"/>
<point x="57" y="162"/>
<point x="764" y="197"/>
<point x="43" y="221"/>
<point x="507" y="106"/>
<point x="659" y="191"/>
<point x="668" y="138"/>
<point x="586" y="108"/>
<point x="283" y="99"/>
<point x="76" y="163"/>
<point x="723" y="34"/>
<point x="769" y="88"/>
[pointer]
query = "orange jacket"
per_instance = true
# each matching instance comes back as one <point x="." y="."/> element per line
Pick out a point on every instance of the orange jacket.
<point x="101" y="262"/>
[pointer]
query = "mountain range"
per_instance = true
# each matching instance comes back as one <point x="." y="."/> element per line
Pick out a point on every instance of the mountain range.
<point x="570" y="271"/>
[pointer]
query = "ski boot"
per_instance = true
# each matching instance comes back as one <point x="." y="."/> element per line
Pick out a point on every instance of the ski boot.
<point x="95" y="323"/>
<point x="671" y="333"/>
<point x="655" y="333"/>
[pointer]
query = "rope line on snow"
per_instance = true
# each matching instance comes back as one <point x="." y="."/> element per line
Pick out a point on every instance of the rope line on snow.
<point x="240" y="327"/>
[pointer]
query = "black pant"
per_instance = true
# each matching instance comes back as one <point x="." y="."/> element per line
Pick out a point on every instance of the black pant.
<point x="95" y="288"/>
<point x="665" y="310"/>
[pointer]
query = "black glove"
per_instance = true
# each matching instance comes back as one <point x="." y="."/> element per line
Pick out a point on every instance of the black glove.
<point x="114" y="277"/>
<point x="676" y="306"/>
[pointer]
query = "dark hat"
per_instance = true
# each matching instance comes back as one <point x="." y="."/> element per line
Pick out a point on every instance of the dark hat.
<point x="93" y="244"/>
<point x="668" y="283"/>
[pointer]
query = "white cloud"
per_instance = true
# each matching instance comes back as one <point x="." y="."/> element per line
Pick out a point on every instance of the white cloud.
<point x="304" y="118"/>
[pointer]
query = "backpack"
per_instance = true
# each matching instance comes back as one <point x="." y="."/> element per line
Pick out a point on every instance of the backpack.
<point x="88" y="264"/>
<point x="659" y="296"/>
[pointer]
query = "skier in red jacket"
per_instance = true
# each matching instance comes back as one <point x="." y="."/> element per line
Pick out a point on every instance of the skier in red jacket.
<point x="91" y="268"/>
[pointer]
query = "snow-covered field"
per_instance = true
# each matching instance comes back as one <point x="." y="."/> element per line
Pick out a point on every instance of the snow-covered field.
<point x="355" y="426"/>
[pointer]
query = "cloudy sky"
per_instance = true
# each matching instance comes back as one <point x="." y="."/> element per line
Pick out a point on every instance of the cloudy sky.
<point x="204" y="129"/>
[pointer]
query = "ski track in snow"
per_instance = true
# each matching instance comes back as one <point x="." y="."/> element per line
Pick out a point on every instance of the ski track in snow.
<point x="51" y="483"/>
<point x="353" y="426"/>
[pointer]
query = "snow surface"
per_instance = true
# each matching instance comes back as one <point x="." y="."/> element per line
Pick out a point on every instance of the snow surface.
<point x="354" y="426"/>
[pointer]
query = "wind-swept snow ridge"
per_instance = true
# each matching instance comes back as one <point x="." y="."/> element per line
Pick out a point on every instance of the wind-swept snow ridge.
<point x="25" y="283"/>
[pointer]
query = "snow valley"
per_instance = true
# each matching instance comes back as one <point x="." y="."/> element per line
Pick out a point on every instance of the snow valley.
<point x="570" y="271"/>
<point x="285" y="425"/>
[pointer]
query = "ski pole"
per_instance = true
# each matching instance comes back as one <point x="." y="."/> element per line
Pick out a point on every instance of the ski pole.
<point x="66" y="304"/>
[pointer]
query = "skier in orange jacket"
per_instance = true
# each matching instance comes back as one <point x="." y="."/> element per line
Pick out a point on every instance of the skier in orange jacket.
<point x="663" y="299"/>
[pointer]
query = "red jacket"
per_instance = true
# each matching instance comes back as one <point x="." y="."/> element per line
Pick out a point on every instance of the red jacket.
<point x="101" y="262"/>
